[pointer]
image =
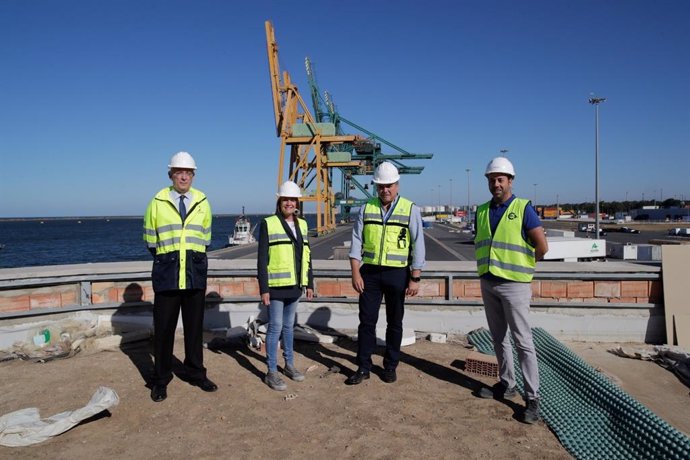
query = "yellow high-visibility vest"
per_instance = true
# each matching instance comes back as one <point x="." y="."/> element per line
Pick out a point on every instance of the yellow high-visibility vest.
<point x="388" y="243"/>
<point x="282" y="263"/>
<point x="175" y="242"/>
<point x="505" y="254"/>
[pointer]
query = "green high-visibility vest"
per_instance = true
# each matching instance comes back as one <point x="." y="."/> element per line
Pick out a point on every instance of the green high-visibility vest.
<point x="282" y="263"/>
<point x="505" y="254"/>
<point x="165" y="232"/>
<point x="388" y="243"/>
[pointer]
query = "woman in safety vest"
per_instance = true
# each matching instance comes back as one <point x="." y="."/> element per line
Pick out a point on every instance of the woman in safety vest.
<point x="284" y="271"/>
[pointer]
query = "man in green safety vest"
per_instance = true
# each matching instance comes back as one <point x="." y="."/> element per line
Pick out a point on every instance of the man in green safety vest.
<point x="177" y="230"/>
<point x="386" y="259"/>
<point x="509" y="240"/>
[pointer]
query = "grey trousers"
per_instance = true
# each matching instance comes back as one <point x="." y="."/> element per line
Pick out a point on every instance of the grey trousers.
<point x="506" y="304"/>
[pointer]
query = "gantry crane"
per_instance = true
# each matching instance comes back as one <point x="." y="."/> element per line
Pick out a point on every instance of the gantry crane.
<point x="366" y="149"/>
<point x="308" y="140"/>
<point x="318" y="144"/>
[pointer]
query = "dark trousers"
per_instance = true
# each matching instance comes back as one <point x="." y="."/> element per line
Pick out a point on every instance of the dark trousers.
<point x="166" y="310"/>
<point x="387" y="283"/>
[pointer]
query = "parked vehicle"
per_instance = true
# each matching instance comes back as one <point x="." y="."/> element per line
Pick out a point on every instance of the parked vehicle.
<point x="629" y="230"/>
<point x="679" y="231"/>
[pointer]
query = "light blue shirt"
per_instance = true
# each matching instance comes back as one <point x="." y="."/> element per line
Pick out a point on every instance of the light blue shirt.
<point x="175" y="197"/>
<point x="416" y="235"/>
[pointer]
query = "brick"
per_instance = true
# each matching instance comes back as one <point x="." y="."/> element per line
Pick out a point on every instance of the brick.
<point x="479" y="363"/>
<point x="148" y="293"/>
<point x="14" y="303"/>
<point x="44" y="300"/>
<point x="473" y="289"/>
<point x="635" y="289"/>
<point x="607" y="289"/>
<point x="218" y="281"/>
<point x="68" y="298"/>
<point x="346" y="288"/>
<point x="251" y="288"/>
<point x="103" y="292"/>
<point x="231" y="288"/>
<point x="553" y="289"/>
<point x="642" y="299"/>
<point x="580" y="289"/>
<point x="132" y="292"/>
<point x="327" y="288"/>
<point x="98" y="286"/>
<point x="623" y="300"/>
<point x="596" y="300"/>
<point x="656" y="292"/>
<point x="211" y="287"/>
<point x="431" y="288"/>
<point x="570" y="300"/>
<point x="104" y="296"/>
<point x="458" y="289"/>
<point x="536" y="288"/>
<point x="245" y="279"/>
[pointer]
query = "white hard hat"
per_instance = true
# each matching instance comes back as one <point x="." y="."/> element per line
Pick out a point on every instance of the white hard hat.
<point x="182" y="160"/>
<point x="386" y="173"/>
<point x="289" y="190"/>
<point x="500" y="165"/>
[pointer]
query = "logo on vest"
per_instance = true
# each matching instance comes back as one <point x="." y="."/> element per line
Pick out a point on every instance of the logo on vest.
<point x="512" y="216"/>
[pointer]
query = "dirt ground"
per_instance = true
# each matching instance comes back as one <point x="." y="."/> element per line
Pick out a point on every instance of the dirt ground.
<point x="429" y="412"/>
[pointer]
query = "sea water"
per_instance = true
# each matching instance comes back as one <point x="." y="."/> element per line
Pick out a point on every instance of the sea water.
<point x="59" y="241"/>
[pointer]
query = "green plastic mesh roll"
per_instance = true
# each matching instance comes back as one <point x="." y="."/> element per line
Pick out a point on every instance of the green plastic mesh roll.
<point x="591" y="416"/>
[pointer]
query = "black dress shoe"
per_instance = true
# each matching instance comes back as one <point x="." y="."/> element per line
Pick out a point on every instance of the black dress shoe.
<point x="206" y="385"/>
<point x="357" y="377"/>
<point x="389" y="376"/>
<point x="159" y="393"/>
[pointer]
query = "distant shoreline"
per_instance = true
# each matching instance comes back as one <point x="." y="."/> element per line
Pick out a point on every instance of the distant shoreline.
<point x="38" y="219"/>
<point x="30" y="219"/>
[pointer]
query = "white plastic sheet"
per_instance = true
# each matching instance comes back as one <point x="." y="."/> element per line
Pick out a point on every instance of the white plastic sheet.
<point x="25" y="427"/>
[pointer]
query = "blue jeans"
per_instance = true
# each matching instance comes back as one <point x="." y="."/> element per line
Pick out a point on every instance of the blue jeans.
<point x="281" y="319"/>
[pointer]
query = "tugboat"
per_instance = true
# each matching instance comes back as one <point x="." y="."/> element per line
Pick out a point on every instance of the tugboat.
<point x="243" y="233"/>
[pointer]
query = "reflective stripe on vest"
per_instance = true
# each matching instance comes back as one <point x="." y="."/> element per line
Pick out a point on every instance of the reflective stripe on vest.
<point x="386" y="244"/>
<point x="506" y="254"/>
<point x="282" y="264"/>
<point x="164" y="230"/>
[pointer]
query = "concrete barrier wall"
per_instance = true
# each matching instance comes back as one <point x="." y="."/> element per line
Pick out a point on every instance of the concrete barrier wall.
<point x="594" y="301"/>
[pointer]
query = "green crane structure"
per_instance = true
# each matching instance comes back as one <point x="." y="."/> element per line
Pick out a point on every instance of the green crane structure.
<point x="366" y="150"/>
<point x="310" y="149"/>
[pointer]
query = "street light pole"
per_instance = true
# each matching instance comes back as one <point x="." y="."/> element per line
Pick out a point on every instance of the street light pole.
<point x="468" y="192"/>
<point x="558" y="209"/>
<point x="535" y="196"/>
<point x="450" y="204"/>
<point x="595" y="101"/>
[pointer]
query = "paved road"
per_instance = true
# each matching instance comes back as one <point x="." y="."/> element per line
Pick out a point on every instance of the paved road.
<point x="444" y="242"/>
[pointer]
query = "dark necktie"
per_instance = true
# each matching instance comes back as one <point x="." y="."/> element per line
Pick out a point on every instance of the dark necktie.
<point x="183" y="208"/>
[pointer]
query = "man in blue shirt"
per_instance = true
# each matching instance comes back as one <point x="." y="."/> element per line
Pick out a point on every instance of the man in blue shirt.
<point x="509" y="240"/>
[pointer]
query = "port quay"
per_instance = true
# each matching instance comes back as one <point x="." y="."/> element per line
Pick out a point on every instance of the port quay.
<point x="599" y="301"/>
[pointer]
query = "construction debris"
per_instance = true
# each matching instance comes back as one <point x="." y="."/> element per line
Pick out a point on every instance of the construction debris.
<point x="25" y="426"/>
<point x="437" y="337"/>
<point x="482" y="364"/>
<point x="674" y="359"/>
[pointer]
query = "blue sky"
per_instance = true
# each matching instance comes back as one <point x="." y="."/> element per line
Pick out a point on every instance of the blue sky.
<point x="96" y="96"/>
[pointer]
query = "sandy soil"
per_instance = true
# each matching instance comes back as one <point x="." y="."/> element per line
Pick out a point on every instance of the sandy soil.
<point x="430" y="412"/>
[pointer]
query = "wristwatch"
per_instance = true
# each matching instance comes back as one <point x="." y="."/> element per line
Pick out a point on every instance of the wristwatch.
<point x="416" y="279"/>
